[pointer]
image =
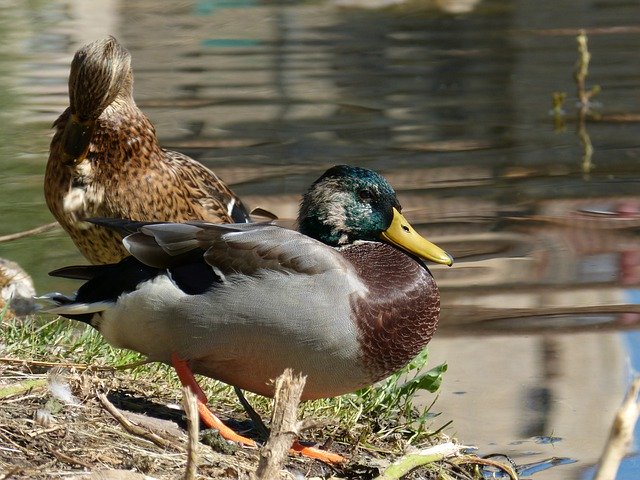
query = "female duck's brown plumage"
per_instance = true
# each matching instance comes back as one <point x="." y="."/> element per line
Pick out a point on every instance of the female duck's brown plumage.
<point x="105" y="161"/>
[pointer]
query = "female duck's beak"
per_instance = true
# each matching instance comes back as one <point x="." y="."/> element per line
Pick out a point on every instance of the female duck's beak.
<point x="402" y="234"/>
<point x="76" y="139"/>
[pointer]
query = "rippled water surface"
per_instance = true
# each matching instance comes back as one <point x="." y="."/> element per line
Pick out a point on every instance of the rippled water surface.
<point x="451" y="101"/>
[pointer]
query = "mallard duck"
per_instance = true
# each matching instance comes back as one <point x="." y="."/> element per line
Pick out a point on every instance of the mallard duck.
<point x="346" y="299"/>
<point x="105" y="161"/>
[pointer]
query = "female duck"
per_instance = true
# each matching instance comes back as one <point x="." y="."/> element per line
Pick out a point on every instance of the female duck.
<point x="105" y="161"/>
<point x="347" y="300"/>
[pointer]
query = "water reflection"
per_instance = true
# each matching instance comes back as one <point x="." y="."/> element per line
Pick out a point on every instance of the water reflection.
<point x="454" y="110"/>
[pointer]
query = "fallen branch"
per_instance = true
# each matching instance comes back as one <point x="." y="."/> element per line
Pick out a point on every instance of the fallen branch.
<point x="284" y="425"/>
<point x="29" y="233"/>
<point x="621" y="434"/>
<point x="70" y="460"/>
<point x="133" y="428"/>
<point x="22" y="387"/>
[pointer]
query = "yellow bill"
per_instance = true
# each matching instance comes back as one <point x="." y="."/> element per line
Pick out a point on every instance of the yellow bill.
<point x="403" y="235"/>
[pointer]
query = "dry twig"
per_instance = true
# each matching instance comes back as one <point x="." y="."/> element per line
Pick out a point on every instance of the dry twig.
<point x="284" y="425"/>
<point x="132" y="428"/>
<point x="29" y="233"/>
<point x="70" y="460"/>
<point x="190" y="406"/>
<point x="76" y="366"/>
<point x="621" y="434"/>
<point x="10" y="473"/>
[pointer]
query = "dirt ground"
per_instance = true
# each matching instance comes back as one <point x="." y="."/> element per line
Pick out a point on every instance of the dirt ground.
<point x="54" y="425"/>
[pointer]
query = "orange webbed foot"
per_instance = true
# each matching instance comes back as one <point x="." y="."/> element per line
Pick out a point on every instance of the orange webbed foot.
<point x="317" y="453"/>
<point x="212" y="421"/>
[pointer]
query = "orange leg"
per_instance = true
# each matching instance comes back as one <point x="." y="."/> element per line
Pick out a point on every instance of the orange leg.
<point x="212" y="421"/>
<point x="208" y="418"/>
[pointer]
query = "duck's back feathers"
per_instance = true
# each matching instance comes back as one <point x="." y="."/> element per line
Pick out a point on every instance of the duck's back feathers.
<point x="80" y="272"/>
<point x="270" y="247"/>
<point x="236" y="248"/>
<point x="215" y="198"/>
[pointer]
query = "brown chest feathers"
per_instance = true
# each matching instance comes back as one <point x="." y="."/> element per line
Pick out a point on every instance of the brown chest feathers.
<point x="400" y="313"/>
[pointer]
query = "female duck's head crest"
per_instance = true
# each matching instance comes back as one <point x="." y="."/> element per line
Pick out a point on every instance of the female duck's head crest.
<point x="348" y="203"/>
<point x="100" y="74"/>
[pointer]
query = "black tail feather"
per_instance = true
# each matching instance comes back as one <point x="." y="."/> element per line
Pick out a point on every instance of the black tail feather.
<point x="123" y="226"/>
<point x="80" y="272"/>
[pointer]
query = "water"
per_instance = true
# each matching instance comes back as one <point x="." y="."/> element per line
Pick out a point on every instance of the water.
<point x="540" y="311"/>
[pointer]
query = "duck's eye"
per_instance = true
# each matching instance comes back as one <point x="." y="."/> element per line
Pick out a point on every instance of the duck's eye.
<point x="365" y="195"/>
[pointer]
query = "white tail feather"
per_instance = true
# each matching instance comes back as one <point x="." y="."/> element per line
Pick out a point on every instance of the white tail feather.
<point x="80" y="308"/>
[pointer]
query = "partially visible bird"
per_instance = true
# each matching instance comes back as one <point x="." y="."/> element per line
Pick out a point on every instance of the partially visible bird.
<point x="105" y="161"/>
<point x="16" y="289"/>
<point x="346" y="300"/>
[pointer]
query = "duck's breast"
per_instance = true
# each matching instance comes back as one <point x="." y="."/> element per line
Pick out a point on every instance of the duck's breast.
<point x="400" y="314"/>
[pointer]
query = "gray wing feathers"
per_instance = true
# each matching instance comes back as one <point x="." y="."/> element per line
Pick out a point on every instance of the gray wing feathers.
<point x="146" y="249"/>
<point x="160" y="245"/>
<point x="173" y="238"/>
<point x="272" y="248"/>
<point x="241" y="248"/>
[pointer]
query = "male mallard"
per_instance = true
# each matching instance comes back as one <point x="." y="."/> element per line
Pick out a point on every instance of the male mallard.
<point x="346" y="300"/>
<point x="105" y="161"/>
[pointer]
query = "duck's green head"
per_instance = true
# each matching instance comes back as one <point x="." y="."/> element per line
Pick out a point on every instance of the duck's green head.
<point x="348" y="203"/>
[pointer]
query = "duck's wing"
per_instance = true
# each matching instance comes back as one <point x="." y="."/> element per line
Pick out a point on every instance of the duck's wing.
<point x="270" y="247"/>
<point x="215" y="198"/>
<point x="235" y="248"/>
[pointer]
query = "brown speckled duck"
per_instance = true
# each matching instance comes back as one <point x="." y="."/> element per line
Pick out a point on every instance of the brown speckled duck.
<point x="105" y="161"/>
<point x="346" y="300"/>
